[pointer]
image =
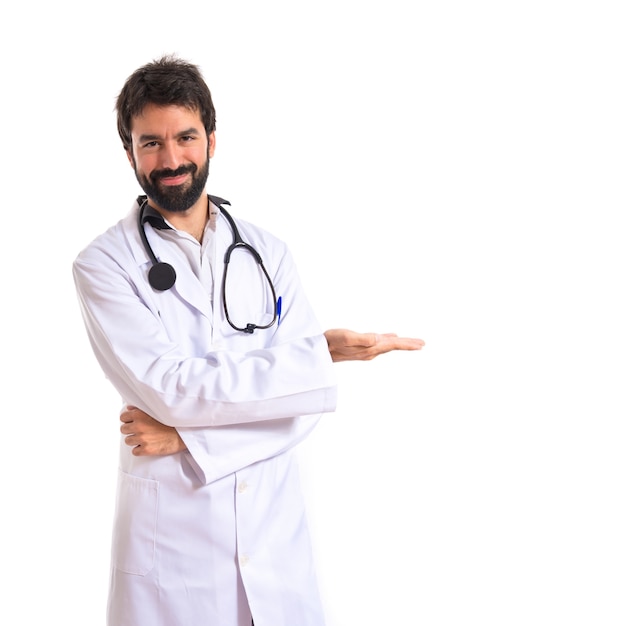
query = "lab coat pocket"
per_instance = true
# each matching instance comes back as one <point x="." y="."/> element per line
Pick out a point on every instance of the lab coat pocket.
<point x="134" y="531"/>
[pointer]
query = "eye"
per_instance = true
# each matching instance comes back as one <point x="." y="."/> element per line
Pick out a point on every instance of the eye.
<point x="150" y="144"/>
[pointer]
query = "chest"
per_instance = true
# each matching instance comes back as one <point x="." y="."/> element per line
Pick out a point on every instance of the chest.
<point x="200" y="312"/>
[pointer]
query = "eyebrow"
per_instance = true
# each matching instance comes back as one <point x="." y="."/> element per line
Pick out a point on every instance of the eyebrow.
<point x="183" y="133"/>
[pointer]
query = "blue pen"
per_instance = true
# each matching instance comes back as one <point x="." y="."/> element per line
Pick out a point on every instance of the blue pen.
<point x="279" y="306"/>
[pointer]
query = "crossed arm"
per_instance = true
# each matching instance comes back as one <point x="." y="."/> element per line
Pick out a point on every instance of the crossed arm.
<point x="148" y="437"/>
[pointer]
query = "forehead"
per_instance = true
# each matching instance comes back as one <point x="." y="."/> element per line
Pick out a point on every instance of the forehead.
<point x="164" y="120"/>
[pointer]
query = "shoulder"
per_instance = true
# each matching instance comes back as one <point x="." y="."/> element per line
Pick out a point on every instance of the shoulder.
<point x="114" y="243"/>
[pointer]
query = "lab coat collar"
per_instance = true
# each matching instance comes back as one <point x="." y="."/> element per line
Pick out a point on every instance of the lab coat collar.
<point x="153" y="217"/>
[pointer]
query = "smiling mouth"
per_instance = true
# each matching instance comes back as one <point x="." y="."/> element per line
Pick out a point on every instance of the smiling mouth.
<point x="171" y="181"/>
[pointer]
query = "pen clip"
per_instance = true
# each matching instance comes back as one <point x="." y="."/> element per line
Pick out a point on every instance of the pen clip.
<point x="279" y="307"/>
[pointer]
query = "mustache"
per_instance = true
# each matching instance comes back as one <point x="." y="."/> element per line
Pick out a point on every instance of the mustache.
<point x="169" y="173"/>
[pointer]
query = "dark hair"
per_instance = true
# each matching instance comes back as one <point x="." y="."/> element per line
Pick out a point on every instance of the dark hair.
<point x="165" y="81"/>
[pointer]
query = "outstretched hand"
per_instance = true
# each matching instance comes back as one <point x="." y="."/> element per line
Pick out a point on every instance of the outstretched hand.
<point x="348" y="345"/>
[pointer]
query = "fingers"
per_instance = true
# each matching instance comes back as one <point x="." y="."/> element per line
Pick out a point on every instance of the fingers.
<point x="367" y="346"/>
<point x="140" y="445"/>
<point x="404" y="343"/>
<point x="390" y="341"/>
<point x="359" y="341"/>
<point x="130" y="428"/>
<point x="134" y="421"/>
<point x="128" y="414"/>
<point x="131" y="440"/>
<point x="378" y="343"/>
<point x="133" y="414"/>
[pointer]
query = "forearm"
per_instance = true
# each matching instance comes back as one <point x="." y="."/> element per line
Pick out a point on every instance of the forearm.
<point x="214" y="452"/>
<point x="217" y="452"/>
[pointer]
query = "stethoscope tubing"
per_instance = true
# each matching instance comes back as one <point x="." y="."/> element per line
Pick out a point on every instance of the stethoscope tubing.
<point x="162" y="275"/>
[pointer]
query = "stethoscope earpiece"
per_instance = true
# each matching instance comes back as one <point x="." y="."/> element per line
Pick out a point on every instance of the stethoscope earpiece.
<point x="162" y="276"/>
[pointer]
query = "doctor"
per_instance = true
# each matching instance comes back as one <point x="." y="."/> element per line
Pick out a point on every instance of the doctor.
<point x="210" y="527"/>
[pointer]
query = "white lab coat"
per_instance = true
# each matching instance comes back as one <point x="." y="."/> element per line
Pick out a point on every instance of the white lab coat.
<point x="217" y="533"/>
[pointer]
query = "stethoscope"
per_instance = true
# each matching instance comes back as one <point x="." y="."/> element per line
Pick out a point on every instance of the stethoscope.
<point x="162" y="276"/>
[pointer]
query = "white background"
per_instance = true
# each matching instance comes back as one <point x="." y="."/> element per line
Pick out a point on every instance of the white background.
<point x="448" y="170"/>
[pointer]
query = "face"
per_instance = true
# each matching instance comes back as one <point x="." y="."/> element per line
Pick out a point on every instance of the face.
<point x="170" y="155"/>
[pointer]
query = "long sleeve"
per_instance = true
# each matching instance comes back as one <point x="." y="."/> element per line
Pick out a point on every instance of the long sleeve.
<point x="234" y="398"/>
<point x="151" y="365"/>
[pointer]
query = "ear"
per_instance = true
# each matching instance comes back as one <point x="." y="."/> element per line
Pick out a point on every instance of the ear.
<point x="131" y="160"/>
<point x="211" y="145"/>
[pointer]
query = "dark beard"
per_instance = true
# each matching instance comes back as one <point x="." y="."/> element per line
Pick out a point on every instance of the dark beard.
<point x="178" y="198"/>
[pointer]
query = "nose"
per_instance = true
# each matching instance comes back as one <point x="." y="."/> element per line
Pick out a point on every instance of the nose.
<point x="170" y="156"/>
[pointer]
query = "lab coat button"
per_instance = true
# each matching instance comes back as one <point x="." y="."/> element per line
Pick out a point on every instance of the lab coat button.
<point x="244" y="560"/>
<point x="243" y="487"/>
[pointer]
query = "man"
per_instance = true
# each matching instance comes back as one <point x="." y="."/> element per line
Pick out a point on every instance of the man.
<point x="223" y="371"/>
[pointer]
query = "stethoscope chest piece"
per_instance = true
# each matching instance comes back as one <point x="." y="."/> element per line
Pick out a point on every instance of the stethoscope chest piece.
<point x="162" y="276"/>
